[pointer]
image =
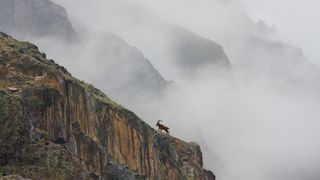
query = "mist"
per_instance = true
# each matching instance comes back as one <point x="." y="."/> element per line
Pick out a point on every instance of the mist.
<point x="296" y="26"/>
<point x="258" y="120"/>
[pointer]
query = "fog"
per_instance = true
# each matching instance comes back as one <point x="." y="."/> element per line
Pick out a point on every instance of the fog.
<point x="296" y="26"/>
<point x="258" y="122"/>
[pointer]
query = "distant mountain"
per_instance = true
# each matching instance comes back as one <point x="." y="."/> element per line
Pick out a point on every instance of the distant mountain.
<point x="192" y="53"/>
<point x="177" y="52"/>
<point x="119" y="68"/>
<point x="35" y="18"/>
<point x="258" y="55"/>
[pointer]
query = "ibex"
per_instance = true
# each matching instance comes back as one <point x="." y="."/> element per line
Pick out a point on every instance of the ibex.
<point x="162" y="127"/>
<point x="39" y="78"/>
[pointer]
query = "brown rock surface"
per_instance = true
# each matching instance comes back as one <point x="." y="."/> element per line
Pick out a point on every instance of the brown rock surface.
<point x="63" y="128"/>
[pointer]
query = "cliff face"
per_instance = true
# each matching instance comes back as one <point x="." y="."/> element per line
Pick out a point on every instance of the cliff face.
<point x="60" y="127"/>
<point x="35" y="18"/>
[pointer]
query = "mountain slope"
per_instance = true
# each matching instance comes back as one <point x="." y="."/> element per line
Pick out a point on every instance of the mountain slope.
<point x="194" y="53"/>
<point x="60" y="128"/>
<point x="35" y="18"/>
<point x="135" y="75"/>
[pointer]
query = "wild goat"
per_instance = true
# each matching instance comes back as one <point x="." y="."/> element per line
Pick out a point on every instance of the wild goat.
<point x="39" y="78"/>
<point x="162" y="127"/>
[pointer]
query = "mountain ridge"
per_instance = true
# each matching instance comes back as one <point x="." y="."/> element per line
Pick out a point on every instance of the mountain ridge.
<point x="35" y="18"/>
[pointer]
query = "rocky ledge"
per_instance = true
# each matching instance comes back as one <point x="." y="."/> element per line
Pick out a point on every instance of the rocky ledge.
<point x="53" y="126"/>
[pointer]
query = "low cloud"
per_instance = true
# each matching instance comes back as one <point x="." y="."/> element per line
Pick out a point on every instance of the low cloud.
<point x="260" y="122"/>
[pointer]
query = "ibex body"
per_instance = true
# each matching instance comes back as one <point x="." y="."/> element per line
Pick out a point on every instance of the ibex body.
<point x="162" y="127"/>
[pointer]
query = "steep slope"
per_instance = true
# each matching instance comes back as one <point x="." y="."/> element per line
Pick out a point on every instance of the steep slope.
<point x="135" y="75"/>
<point x="35" y="18"/>
<point x="59" y="127"/>
<point x="193" y="53"/>
<point x="135" y="78"/>
<point x="177" y="52"/>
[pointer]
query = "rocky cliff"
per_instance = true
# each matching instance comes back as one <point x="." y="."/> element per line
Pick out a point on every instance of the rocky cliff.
<point x="54" y="126"/>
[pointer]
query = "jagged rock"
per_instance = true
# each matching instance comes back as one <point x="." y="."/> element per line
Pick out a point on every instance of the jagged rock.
<point x="103" y="137"/>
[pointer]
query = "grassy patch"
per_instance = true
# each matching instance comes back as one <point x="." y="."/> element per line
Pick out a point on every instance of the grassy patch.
<point x="105" y="100"/>
<point x="97" y="94"/>
<point x="52" y="164"/>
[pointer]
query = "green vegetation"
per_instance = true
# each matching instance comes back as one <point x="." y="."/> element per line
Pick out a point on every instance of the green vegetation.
<point x="97" y="94"/>
<point x="85" y="85"/>
<point x="52" y="164"/>
<point x="105" y="100"/>
<point x="190" y="176"/>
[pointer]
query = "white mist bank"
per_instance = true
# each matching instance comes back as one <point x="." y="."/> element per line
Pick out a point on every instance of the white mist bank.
<point x="261" y="124"/>
<point x="296" y="26"/>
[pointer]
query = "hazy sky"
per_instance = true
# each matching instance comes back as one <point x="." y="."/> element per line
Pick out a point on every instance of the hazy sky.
<point x="297" y="21"/>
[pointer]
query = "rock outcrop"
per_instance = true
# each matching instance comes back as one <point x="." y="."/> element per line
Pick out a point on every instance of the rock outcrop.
<point x="35" y="18"/>
<point x="62" y="128"/>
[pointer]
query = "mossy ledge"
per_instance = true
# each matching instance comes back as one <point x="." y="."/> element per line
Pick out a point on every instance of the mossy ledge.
<point x="62" y="128"/>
